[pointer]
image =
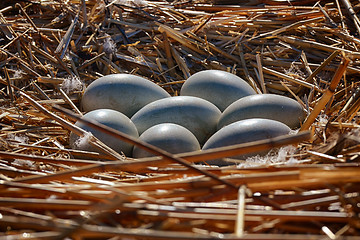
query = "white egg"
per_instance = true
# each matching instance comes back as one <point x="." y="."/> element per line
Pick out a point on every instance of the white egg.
<point x="244" y="131"/>
<point x="110" y="118"/>
<point x="269" y="106"/>
<point x="125" y="93"/>
<point x="170" y="137"/>
<point x="218" y="87"/>
<point x="196" y="114"/>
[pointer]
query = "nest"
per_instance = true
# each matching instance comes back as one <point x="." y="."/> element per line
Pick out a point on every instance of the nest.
<point x="51" y="50"/>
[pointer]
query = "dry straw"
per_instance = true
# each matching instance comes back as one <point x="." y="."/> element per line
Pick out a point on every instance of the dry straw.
<point x="307" y="189"/>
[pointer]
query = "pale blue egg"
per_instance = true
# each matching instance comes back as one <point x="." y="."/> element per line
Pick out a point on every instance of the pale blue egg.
<point x="110" y="118"/>
<point x="218" y="87"/>
<point x="170" y="137"/>
<point x="196" y="114"/>
<point x="125" y="93"/>
<point x="269" y="106"/>
<point x="245" y="131"/>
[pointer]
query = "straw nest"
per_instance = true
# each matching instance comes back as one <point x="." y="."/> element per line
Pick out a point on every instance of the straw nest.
<point x="51" y="50"/>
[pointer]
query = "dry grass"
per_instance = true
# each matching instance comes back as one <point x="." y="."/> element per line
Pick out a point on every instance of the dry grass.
<point x="50" y="50"/>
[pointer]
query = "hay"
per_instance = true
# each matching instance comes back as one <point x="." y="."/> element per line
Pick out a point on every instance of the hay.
<point x="50" y="49"/>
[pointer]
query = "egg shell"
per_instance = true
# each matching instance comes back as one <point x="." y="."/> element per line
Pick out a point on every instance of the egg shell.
<point x="218" y="87"/>
<point x="110" y="118"/>
<point x="196" y="114"/>
<point x="125" y="93"/>
<point x="244" y="131"/>
<point x="170" y="137"/>
<point x="269" y="106"/>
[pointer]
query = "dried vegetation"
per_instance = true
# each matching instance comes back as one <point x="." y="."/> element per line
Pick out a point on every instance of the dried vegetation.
<point x="50" y="50"/>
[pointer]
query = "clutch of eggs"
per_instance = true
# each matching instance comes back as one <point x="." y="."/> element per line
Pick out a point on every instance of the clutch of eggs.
<point x="209" y="100"/>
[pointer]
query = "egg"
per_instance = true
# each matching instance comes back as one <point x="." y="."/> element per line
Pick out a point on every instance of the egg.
<point x="218" y="87"/>
<point x="110" y="118"/>
<point x="170" y="137"/>
<point x="269" y="106"/>
<point x="244" y="131"/>
<point x="196" y="114"/>
<point x="125" y="93"/>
